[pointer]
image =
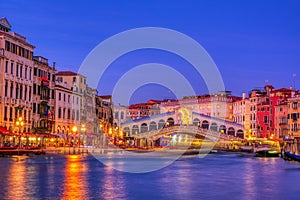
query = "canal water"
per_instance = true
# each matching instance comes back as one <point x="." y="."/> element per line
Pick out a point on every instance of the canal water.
<point x="216" y="176"/>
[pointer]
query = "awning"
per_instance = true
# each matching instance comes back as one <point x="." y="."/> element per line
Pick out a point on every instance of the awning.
<point x="3" y="130"/>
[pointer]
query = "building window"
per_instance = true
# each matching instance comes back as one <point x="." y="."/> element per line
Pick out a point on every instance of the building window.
<point x="59" y="112"/>
<point x="39" y="108"/>
<point x="35" y="71"/>
<point x="6" y="66"/>
<point x="39" y="90"/>
<point x="25" y="92"/>
<point x="26" y="72"/>
<point x="69" y="113"/>
<point x="34" y="88"/>
<point x="295" y="105"/>
<point x="5" y="113"/>
<point x="29" y="113"/>
<point x="77" y="115"/>
<point x="59" y="96"/>
<point x="64" y="97"/>
<point x="7" y="45"/>
<point x="266" y="119"/>
<point x="34" y="107"/>
<point x="29" y="98"/>
<point x="73" y="114"/>
<point x="21" y="71"/>
<point x="30" y="71"/>
<point x="21" y="92"/>
<point x="11" y="89"/>
<point x="64" y="113"/>
<point x="10" y="114"/>
<point x="17" y="70"/>
<point x="74" y="79"/>
<point x="12" y="68"/>
<point x="17" y="91"/>
<point x="6" y="88"/>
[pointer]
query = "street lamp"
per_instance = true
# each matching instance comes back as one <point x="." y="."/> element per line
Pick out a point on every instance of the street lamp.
<point x="19" y="124"/>
<point x="74" y="130"/>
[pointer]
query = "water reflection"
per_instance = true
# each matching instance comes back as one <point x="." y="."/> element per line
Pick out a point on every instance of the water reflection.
<point x="17" y="180"/>
<point x="250" y="186"/>
<point x="215" y="177"/>
<point x="113" y="186"/>
<point x="75" y="183"/>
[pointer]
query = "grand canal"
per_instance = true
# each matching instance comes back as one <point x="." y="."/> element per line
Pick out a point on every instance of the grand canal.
<point x="216" y="176"/>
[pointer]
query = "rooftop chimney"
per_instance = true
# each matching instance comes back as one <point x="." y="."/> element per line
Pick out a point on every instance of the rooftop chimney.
<point x="54" y="65"/>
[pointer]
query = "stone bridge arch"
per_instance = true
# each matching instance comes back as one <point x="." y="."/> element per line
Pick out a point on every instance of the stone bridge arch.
<point x="152" y="126"/>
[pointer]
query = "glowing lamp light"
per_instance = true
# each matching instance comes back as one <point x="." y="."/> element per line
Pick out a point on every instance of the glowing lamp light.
<point x="74" y="129"/>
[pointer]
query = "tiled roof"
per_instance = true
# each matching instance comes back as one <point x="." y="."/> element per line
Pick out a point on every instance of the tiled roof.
<point x="66" y="73"/>
<point x="105" y="96"/>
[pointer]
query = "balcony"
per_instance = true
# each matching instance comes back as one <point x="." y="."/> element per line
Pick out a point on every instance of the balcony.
<point x="44" y="98"/>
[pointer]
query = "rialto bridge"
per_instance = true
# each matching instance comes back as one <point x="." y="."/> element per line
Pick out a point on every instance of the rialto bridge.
<point x="152" y="125"/>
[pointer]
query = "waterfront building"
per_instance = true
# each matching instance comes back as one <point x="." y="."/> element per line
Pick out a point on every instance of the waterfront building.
<point x="67" y="109"/>
<point x="141" y="110"/>
<point x="278" y="110"/>
<point x="83" y="120"/>
<point x="268" y="101"/>
<point x="89" y="128"/>
<point x="16" y="79"/>
<point x="43" y="96"/>
<point x="264" y="123"/>
<point x="294" y="115"/>
<point x="218" y="105"/>
<point x="281" y="121"/>
<point x="104" y="111"/>
<point x="120" y="114"/>
<point x="104" y="114"/>
<point x="241" y="114"/>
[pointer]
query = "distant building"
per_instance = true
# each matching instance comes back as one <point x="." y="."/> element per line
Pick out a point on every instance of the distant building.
<point x="140" y="110"/>
<point x="104" y="112"/>
<point x="83" y="105"/>
<point x="270" y="123"/>
<point x="294" y="116"/>
<point x="241" y="114"/>
<point x="67" y="106"/>
<point x="218" y="105"/>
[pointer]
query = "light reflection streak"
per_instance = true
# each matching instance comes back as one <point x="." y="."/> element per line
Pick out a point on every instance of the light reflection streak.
<point x="17" y="180"/>
<point x="113" y="186"/>
<point x="75" y="184"/>
<point x="249" y="179"/>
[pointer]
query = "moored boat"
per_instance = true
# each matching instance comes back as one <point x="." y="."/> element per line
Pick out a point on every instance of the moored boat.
<point x="291" y="149"/>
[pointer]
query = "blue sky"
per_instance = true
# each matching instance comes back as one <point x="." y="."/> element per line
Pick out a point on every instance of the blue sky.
<point x="250" y="41"/>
